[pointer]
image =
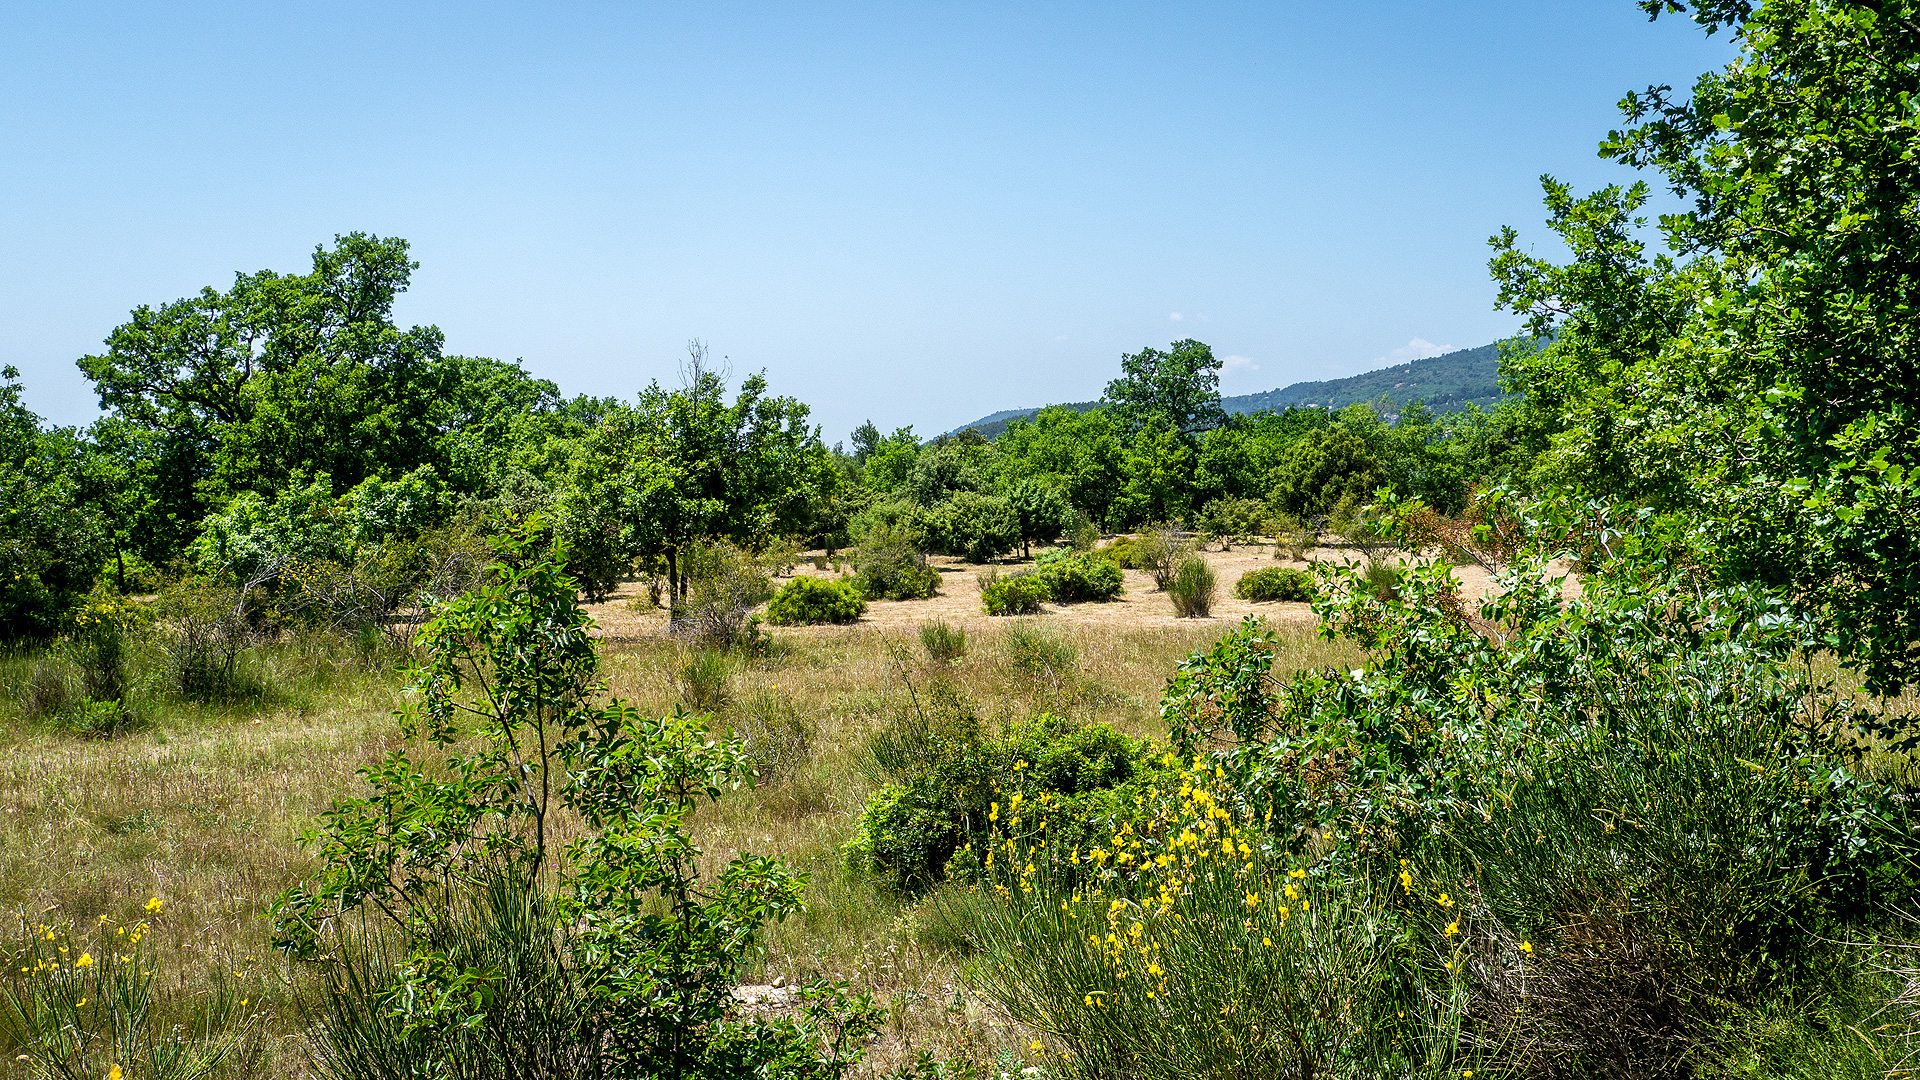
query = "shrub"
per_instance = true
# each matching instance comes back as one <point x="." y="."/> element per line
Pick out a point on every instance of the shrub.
<point x="975" y="527"/>
<point x="944" y="642"/>
<point x="705" y="680"/>
<point x="497" y="946"/>
<point x="1291" y="537"/>
<point x="1071" y="576"/>
<point x="1275" y="583"/>
<point x="889" y="567"/>
<point x="1085" y="534"/>
<point x="1020" y="594"/>
<point x="937" y="820"/>
<point x="1382" y="578"/>
<point x="1035" y="650"/>
<point x="1124" y="551"/>
<point x="807" y="600"/>
<point x="724" y="584"/>
<point x="1160" y="551"/>
<point x="203" y="631"/>
<point x="1192" y="589"/>
<point x="1230" y="521"/>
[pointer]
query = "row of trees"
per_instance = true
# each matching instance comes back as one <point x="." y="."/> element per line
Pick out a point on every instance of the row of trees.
<point x="288" y="420"/>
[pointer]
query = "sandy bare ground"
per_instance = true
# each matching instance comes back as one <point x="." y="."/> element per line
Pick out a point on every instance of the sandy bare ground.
<point x="627" y="616"/>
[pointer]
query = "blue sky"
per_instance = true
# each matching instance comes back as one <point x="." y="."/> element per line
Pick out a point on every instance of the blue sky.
<point x="913" y="213"/>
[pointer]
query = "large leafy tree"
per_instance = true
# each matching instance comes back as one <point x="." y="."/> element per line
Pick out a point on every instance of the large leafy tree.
<point x="1079" y="453"/>
<point x="52" y="542"/>
<point x="683" y="466"/>
<point x="1181" y="385"/>
<point x="1756" y="378"/>
<point x="281" y="373"/>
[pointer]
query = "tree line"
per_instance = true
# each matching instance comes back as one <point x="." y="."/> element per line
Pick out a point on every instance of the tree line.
<point x="289" y="421"/>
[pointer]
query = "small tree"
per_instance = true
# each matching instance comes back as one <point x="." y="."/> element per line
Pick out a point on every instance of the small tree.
<point x="517" y="955"/>
<point x="1041" y="510"/>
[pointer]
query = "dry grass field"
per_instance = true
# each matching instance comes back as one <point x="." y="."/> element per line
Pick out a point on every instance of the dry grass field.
<point x="204" y="809"/>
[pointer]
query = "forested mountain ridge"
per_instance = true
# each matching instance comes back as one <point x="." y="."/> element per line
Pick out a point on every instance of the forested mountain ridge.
<point x="1445" y="383"/>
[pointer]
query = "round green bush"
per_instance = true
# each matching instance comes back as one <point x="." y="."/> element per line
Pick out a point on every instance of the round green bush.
<point x="807" y="600"/>
<point x="1275" y="583"/>
<point x="1072" y="576"/>
<point x="1020" y="595"/>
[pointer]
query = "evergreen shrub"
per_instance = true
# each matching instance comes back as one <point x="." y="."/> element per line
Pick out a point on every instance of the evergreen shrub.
<point x="1272" y="583"/>
<point x="807" y="600"/>
<point x="1073" y="575"/>
<point x="1021" y="594"/>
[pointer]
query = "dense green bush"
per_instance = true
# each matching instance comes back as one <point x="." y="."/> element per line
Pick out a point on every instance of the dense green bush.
<point x="889" y="566"/>
<point x="1072" y="576"/>
<point x="965" y="789"/>
<point x="1018" y="594"/>
<point x="1192" y="588"/>
<point x="806" y="600"/>
<point x="975" y="527"/>
<point x="1124" y="553"/>
<point x="1275" y="583"/>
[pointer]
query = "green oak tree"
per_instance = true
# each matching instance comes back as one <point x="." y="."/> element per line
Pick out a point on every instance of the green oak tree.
<point x="1752" y="373"/>
<point x="1181" y="384"/>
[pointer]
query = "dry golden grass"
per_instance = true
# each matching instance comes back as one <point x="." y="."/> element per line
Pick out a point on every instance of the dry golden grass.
<point x="205" y="808"/>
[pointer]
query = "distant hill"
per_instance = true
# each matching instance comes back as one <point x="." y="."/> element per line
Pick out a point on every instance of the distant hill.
<point x="1446" y="383"/>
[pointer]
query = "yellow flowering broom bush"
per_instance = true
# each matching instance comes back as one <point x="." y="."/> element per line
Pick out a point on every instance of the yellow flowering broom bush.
<point x="80" y="1006"/>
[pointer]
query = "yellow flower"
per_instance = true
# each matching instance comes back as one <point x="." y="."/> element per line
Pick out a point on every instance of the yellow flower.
<point x="1267" y="941"/>
<point x="1527" y="947"/>
<point x="1453" y="928"/>
<point x="1037" y="1045"/>
<point x="1253" y="899"/>
<point x="1445" y="900"/>
<point x="155" y="904"/>
<point x="114" y="1074"/>
<point x="86" y="960"/>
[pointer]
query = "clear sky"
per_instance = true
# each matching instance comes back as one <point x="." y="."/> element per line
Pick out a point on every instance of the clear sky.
<point x="914" y="213"/>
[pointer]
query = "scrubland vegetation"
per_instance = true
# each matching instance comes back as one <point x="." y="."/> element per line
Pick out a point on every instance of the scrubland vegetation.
<point x="318" y="765"/>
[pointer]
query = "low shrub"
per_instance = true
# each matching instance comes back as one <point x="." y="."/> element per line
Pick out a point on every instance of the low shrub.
<point x="890" y="566"/>
<point x="1124" y="553"/>
<point x="943" y="641"/>
<point x="723" y="584"/>
<point x="704" y="679"/>
<point x="1160" y="551"/>
<point x="932" y="723"/>
<point x="1072" y="576"/>
<point x="1020" y="594"/>
<point x="1275" y="583"/>
<point x="1036" y="650"/>
<point x="1192" y="588"/>
<point x="1382" y="578"/>
<point x="915" y="833"/>
<point x="808" y="600"/>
